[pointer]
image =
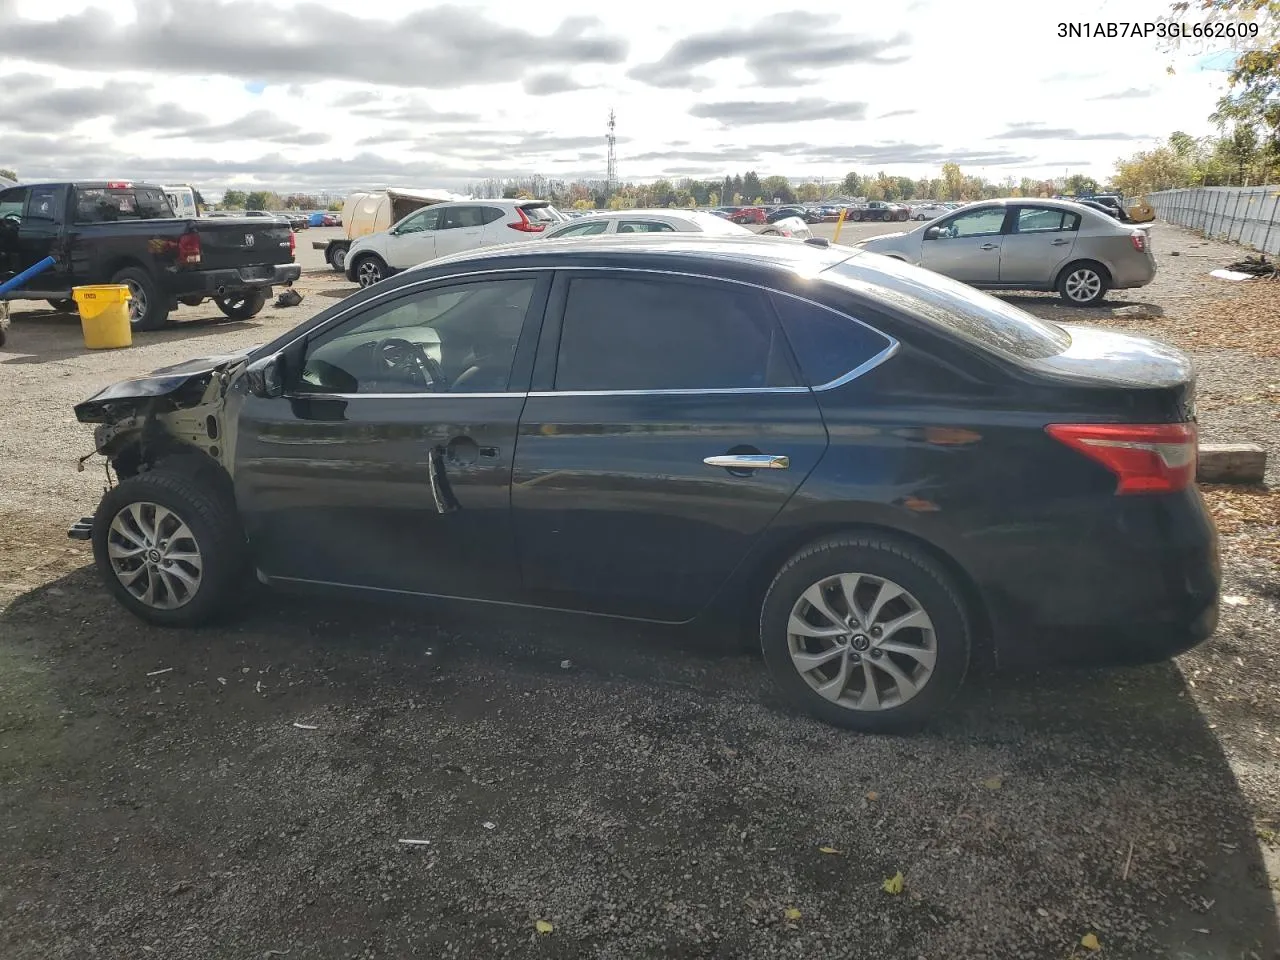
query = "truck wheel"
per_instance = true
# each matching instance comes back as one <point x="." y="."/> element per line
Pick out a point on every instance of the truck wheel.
<point x="337" y="257"/>
<point x="244" y="306"/>
<point x="169" y="545"/>
<point x="63" y="306"/>
<point x="147" y="309"/>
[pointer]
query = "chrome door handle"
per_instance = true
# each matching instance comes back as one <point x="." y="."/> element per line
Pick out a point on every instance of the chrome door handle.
<point x="988" y="246"/>
<point x="753" y="461"/>
<point x="1059" y="243"/>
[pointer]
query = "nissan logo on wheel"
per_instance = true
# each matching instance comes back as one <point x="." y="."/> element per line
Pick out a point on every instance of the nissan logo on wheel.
<point x="248" y="239"/>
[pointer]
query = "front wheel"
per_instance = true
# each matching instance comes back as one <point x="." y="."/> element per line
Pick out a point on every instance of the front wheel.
<point x="866" y="633"/>
<point x="168" y="544"/>
<point x="243" y="306"/>
<point x="369" y="270"/>
<point x="1083" y="284"/>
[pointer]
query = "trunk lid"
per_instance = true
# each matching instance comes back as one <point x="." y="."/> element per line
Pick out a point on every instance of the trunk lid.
<point x="1124" y="377"/>
<point x="243" y="241"/>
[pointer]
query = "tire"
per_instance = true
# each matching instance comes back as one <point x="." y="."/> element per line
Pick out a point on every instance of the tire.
<point x="369" y="269"/>
<point x="191" y="301"/>
<point x="336" y="256"/>
<point x="879" y="560"/>
<point x="1083" y="283"/>
<point x="244" y="306"/>
<point x="207" y="512"/>
<point x="63" y="306"/>
<point x="147" y="309"/>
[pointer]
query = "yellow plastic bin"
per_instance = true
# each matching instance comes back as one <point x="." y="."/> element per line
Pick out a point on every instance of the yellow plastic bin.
<point x="104" y="315"/>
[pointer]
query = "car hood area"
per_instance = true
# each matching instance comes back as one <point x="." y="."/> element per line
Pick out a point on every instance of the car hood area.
<point x="164" y="390"/>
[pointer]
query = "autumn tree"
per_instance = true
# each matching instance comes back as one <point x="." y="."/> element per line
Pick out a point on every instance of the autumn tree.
<point x="8" y="174"/>
<point x="1078" y="183"/>
<point x="952" y="181"/>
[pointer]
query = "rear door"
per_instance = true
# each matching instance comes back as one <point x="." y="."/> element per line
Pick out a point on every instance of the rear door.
<point x="666" y="428"/>
<point x="1038" y="244"/>
<point x="967" y="246"/>
<point x="462" y="228"/>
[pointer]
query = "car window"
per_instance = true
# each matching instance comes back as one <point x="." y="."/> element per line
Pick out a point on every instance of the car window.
<point x="104" y="205"/>
<point x="644" y="226"/>
<point x="460" y="217"/>
<point x="490" y="214"/>
<point x="632" y="333"/>
<point x="12" y="202"/>
<point x="459" y="338"/>
<point x="541" y="213"/>
<point x="426" y="219"/>
<point x="583" y="229"/>
<point x="952" y="306"/>
<point x="45" y="203"/>
<point x="827" y="344"/>
<point x="974" y="223"/>
<point x="1045" y="220"/>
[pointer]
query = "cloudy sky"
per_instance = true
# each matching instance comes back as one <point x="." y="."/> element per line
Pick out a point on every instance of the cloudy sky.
<point x="338" y="95"/>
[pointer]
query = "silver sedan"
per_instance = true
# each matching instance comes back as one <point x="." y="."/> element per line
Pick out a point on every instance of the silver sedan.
<point x="666" y="220"/>
<point x="1025" y="244"/>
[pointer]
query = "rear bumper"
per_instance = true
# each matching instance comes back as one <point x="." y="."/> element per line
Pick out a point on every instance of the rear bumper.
<point x="1133" y="272"/>
<point x="232" y="279"/>
<point x="1137" y="583"/>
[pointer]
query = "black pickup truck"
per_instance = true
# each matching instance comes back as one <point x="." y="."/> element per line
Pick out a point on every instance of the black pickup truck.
<point x="114" y="231"/>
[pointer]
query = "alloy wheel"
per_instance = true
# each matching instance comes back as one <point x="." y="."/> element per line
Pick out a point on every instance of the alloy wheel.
<point x="137" y="301"/>
<point x="1083" y="284"/>
<point x="154" y="555"/>
<point x="368" y="273"/>
<point x="861" y="641"/>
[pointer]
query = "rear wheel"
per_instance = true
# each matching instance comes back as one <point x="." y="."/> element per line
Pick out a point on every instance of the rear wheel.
<point x="337" y="257"/>
<point x="147" y="309"/>
<point x="63" y="306"/>
<point x="369" y="269"/>
<point x="866" y="632"/>
<point x="1083" y="284"/>
<point x="168" y="544"/>
<point x="243" y="306"/>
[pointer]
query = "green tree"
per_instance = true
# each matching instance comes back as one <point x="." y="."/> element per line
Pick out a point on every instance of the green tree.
<point x="8" y="174"/>
<point x="726" y="191"/>
<point x="952" y="181"/>
<point x="1239" y="151"/>
<point x="1078" y="183"/>
<point x="851" y="185"/>
<point x="261" y="200"/>
<point x="808" y="192"/>
<point x="234" y="199"/>
<point x="751" y="188"/>
<point x="779" y="187"/>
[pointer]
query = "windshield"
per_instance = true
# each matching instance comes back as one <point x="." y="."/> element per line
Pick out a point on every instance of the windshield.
<point x="956" y="307"/>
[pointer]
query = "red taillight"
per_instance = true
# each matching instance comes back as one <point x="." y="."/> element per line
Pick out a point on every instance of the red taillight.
<point x="525" y="225"/>
<point x="1145" y="457"/>
<point x="293" y="243"/>
<point x="189" y="248"/>
<point x="1139" y="241"/>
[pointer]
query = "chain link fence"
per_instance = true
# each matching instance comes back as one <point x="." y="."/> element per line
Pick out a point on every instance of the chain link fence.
<point x="1244" y="215"/>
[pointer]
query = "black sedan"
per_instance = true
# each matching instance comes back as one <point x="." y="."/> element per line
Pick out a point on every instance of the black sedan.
<point x="874" y="469"/>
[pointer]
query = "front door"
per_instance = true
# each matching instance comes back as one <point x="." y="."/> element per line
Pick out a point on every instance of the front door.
<point x="42" y="236"/>
<point x="13" y="207"/>
<point x="658" y="445"/>
<point x="413" y="240"/>
<point x="966" y="247"/>
<point x="387" y="465"/>
<point x="1038" y="245"/>
<point x="461" y="229"/>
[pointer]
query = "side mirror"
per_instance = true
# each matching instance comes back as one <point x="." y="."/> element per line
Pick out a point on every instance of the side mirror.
<point x="265" y="377"/>
<point x="933" y="233"/>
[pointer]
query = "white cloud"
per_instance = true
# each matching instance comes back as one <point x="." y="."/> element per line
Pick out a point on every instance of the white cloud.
<point x="320" y="93"/>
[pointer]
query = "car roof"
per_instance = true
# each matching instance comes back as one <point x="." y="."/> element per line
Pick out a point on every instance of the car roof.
<point x="658" y="251"/>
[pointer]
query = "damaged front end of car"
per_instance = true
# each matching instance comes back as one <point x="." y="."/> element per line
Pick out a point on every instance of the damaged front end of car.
<point x="175" y="411"/>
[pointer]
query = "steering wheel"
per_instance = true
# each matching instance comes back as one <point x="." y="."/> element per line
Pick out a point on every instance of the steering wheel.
<point x="411" y="360"/>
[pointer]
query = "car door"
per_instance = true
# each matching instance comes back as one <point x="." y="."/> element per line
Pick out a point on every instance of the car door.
<point x="413" y="240"/>
<point x="966" y="246"/>
<point x="42" y="235"/>
<point x="461" y="229"/>
<point x="1038" y="245"/>
<point x="13" y="208"/>
<point x="495" y="226"/>
<point x="387" y="463"/>
<point x="665" y="429"/>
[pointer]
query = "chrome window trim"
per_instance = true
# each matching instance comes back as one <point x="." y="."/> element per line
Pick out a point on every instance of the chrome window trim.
<point x="398" y="396"/>
<point x="864" y="368"/>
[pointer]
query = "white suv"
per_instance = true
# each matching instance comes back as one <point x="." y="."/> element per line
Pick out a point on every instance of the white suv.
<point x="445" y="228"/>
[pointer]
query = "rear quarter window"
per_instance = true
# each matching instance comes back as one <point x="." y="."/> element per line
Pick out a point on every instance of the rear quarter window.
<point x="954" y="307"/>
<point x="827" y="344"/>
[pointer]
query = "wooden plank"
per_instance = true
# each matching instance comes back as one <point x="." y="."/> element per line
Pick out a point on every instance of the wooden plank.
<point x="1232" y="463"/>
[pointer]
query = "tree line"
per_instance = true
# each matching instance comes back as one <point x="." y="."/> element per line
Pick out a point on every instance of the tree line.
<point x="269" y="200"/>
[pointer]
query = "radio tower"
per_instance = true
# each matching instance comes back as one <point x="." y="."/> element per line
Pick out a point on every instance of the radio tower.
<point x="611" y="171"/>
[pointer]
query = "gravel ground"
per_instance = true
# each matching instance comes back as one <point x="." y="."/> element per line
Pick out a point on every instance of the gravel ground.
<point x="641" y="791"/>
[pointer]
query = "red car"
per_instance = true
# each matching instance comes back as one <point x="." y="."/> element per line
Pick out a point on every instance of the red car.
<point x="750" y="215"/>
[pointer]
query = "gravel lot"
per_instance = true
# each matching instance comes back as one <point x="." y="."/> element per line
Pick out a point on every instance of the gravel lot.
<point x="641" y="791"/>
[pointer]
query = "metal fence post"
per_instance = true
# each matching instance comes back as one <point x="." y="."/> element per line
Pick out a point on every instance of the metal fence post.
<point x="1271" y="222"/>
<point x="1214" y="220"/>
<point x="1235" y="217"/>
